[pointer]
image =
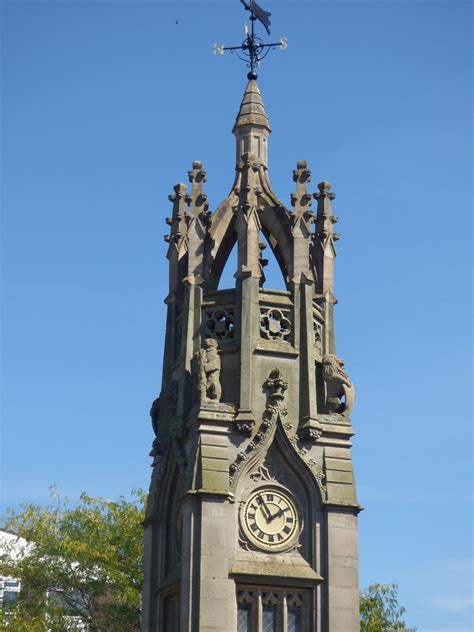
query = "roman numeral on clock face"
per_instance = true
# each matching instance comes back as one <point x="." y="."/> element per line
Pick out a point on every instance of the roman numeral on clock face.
<point x="270" y="510"/>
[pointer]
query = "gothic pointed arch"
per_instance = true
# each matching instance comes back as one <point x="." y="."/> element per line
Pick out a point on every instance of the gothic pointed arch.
<point x="252" y="470"/>
<point x="224" y="238"/>
<point x="276" y="225"/>
<point x="284" y="461"/>
<point x="226" y="278"/>
<point x="169" y="507"/>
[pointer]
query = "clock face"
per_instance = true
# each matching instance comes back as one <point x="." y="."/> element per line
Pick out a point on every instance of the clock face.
<point x="270" y="518"/>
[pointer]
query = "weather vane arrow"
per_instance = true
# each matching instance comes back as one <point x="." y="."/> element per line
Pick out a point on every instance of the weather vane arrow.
<point x="253" y="49"/>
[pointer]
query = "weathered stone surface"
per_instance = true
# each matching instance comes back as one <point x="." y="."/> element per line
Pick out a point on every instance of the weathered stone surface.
<point x="254" y="407"/>
<point x="275" y="570"/>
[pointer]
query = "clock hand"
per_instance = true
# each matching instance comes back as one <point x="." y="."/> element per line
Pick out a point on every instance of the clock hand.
<point x="280" y="512"/>
<point x="263" y="503"/>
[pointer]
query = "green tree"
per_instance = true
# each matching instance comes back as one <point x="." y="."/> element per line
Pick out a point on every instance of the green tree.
<point x="380" y="610"/>
<point x="81" y="561"/>
<point x="86" y="561"/>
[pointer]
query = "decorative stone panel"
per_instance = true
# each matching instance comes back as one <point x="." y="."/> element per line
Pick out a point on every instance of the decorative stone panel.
<point x="269" y="608"/>
<point x="318" y="333"/>
<point x="318" y="328"/>
<point x="275" y="323"/>
<point x="220" y="324"/>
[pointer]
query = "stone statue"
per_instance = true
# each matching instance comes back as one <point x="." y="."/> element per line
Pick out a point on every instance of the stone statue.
<point x="155" y="415"/>
<point x="338" y="385"/>
<point x="209" y="372"/>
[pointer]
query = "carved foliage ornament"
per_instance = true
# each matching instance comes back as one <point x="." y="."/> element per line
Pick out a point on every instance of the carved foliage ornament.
<point x="320" y="477"/>
<point x="314" y="465"/>
<point x="308" y="433"/>
<point x="243" y="456"/>
<point x="275" y="387"/>
<point x="301" y="199"/>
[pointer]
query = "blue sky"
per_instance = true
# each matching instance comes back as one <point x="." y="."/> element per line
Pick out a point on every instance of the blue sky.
<point x="105" y="106"/>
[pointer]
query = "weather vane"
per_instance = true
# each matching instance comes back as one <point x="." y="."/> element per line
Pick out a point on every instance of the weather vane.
<point x="253" y="49"/>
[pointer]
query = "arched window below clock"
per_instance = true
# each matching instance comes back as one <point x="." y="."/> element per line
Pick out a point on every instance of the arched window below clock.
<point x="272" y="609"/>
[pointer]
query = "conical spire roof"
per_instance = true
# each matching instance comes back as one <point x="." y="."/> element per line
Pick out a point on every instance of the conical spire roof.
<point x="252" y="110"/>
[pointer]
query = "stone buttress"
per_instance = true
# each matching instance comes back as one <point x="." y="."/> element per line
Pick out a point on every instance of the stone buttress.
<point x="251" y="521"/>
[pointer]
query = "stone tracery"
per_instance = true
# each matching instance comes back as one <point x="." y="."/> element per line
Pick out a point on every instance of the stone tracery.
<point x="250" y="373"/>
<point x="274" y="324"/>
<point x="220" y="324"/>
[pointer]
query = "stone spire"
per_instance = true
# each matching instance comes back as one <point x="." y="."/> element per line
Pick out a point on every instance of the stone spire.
<point x="252" y="127"/>
<point x="251" y="455"/>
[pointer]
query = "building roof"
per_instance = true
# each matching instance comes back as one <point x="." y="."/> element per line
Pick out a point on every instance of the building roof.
<point x="252" y="110"/>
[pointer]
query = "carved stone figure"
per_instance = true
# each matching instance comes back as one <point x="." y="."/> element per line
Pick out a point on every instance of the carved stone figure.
<point x="209" y="372"/>
<point x="275" y="386"/>
<point x="333" y="370"/>
<point x="155" y="414"/>
<point x="269" y="469"/>
<point x="338" y="385"/>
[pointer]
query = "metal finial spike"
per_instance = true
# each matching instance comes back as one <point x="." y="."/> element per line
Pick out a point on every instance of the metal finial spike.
<point x="251" y="75"/>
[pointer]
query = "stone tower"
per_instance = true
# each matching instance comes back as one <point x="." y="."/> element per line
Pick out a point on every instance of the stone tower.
<point x="251" y="523"/>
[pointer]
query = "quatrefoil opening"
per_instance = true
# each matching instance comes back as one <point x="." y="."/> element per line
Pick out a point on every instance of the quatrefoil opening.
<point x="274" y="325"/>
<point x="220" y="325"/>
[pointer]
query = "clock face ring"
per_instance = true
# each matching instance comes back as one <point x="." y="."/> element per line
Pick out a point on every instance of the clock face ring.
<point x="270" y="519"/>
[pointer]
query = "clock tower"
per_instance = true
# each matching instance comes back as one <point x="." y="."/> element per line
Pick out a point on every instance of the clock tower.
<point x="251" y="524"/>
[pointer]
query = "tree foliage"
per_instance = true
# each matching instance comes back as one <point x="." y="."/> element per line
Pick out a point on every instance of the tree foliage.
<point x="84" y="561"/>
<point x="83" y="564"/>
<point x="380" y="610"/>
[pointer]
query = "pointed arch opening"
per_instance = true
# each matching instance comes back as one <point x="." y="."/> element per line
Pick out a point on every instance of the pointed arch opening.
<point x="273" y="276"/>
<point x="171" y="518"/>
<point x="227" y="266"/>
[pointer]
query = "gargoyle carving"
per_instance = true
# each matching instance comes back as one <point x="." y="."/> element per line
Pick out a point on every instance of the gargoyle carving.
<point x="209" y="372"/>
<point x="338" y="386"/>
